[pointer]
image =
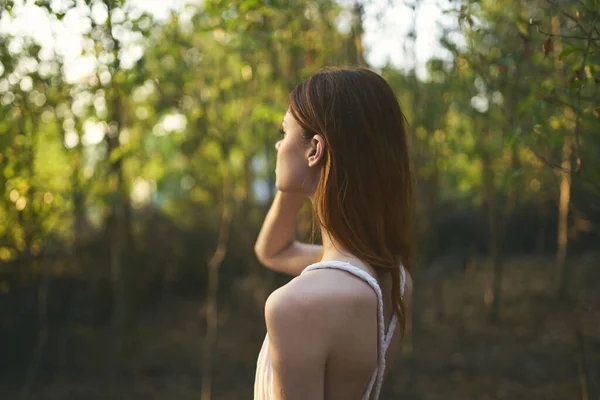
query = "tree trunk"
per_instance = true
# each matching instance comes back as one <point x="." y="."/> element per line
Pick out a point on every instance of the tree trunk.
<point x="540" y="239"/>
<point x="413" y="322"/>
<point x="42" y="335"/>
<point x="495" y="243"/>
<point x="563" y="214"/>
<point x="493" y="217"/>
<point x="118" y="223"/>
<point x="78" y="193"/>
<point x="584" y="372"/>
<point x="499" y="217"/>
<point x="29" y="220"/>
<point x="116" y="238"/>
<point x="357" y="33"/>
<point x="564" y="175"/>
<point x="210" y="339"/>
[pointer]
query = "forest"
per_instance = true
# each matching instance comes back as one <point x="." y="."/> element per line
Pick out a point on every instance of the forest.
<point x="137" y="165"/>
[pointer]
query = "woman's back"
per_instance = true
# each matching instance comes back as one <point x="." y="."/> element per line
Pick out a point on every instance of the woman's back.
<point x="346" y="297"/>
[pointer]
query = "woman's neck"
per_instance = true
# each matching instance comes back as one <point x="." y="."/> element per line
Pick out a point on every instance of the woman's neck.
<point x="331" y="248"/>
<point x="334" y="250"/>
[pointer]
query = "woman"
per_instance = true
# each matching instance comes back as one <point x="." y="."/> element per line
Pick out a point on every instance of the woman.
<point x="334" y="328"/>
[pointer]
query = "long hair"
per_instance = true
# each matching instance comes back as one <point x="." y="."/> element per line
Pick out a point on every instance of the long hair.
<point x="364" y="198"/>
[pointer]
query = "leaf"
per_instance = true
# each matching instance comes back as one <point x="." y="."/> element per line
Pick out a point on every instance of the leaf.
<point x="469" y="21"/>
<point x="120" y="153"/>
<point x="575" y="85"/>
<point x="526" y="104"/>
<point x="566" y="52"/>
<point x="548" y="47"/>
<point x="523" y="28"/>
<point x="482" y="58"/>
<point x="8" y="6"/>
<point x="510" y="140"/>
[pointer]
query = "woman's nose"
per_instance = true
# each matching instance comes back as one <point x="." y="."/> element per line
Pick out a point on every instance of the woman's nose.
<point x="277" y="145"/>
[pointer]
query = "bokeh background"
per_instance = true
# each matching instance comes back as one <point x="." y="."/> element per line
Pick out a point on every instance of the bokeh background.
<point x="137" y="164"/>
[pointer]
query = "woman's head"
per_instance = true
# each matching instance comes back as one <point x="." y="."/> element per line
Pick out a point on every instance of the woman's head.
<point x="299" y="158"/>
<point x="346" y="146"/>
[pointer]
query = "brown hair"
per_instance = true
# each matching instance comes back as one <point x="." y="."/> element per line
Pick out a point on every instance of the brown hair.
<point x="364" y="198"/>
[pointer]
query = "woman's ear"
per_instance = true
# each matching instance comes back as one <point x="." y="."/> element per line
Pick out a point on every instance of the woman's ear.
<point x="316" y="150"/>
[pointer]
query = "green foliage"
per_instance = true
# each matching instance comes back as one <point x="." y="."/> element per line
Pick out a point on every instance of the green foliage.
<point x="205" y="99"/>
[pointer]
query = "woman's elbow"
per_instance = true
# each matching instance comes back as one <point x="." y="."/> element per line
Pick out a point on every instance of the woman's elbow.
<point x="263" y="258"/>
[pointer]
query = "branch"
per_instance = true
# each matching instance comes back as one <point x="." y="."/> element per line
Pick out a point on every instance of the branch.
<point x="574" y="19"/>
<point x="594" y="184"/>
<point x="567" y="15"/>
<point x="584" y="98"/>
<point x="560" y="168"/>
<point x="551" y="97"/>
<point x="569" y="37"/>
<point x="578" y="117"/>
<point x="582" y="4"/>
<point x="548" y="163"/>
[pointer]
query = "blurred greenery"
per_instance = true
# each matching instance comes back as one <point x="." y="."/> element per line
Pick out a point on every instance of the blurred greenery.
<point x="132" y="196"/>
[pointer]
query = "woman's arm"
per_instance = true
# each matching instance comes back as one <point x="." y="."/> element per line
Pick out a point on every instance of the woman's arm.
<point x="299" y="331"/>
<point x="276" y="246"/>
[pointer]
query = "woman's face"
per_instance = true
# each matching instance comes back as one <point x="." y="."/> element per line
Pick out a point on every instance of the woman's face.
<point x="297" y="159"/>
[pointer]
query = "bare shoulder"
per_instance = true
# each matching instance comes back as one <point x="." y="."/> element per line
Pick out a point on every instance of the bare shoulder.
<point x="320" y="299"/>
<point x="304" y="321"/>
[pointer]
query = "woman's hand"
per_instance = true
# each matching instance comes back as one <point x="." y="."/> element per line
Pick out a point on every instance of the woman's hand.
<point x="276" y="246"/>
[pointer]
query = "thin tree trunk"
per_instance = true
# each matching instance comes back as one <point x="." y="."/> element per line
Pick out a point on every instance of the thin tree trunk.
<point x="563" y="214"/>
<point x="429" y="198"/>
<point x="210" y="339"/>
<point x="500" y="227"/>
<point x="562" y="272"/>
<point x="42" y="336"/>
<point x="29" y="220"/>
<point x="495" y="240"/>
<point x="119" y="221"/>
<point x="115" y="238"/>
<point x="78" y="193"/>
<point x="499" y="218"/>
<point x="357" y="33"/>
<point x="413" y="323"/>
<point x="80" y="230"/>
<point x="540" y="239"/>
<point x="584" y="372"/>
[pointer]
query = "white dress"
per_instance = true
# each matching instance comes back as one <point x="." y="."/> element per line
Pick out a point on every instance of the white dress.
<point x="263" y="383"/>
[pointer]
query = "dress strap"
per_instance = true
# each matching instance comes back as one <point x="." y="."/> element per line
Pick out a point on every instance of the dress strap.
<point x="383" y="339"/>
<point x="392" y="327"/>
